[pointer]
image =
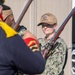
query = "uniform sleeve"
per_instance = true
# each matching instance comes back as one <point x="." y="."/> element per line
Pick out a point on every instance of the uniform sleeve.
<point x="24" y="59"/>
<point x="18" y="55"/>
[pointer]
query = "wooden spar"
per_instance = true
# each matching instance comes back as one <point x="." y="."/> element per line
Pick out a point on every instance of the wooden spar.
<point x="22" y="14"/>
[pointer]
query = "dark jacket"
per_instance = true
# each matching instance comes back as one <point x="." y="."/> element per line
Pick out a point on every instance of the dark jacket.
<point x="16" y="55"/>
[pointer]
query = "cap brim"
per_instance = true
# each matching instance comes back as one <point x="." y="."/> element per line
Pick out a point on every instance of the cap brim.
<point x="41" y="23"/>
<point x="45" y="23"/>
<point x="5" y="7"/>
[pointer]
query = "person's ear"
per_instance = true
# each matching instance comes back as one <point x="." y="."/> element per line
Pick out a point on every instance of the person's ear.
<point x="1" y="9"/>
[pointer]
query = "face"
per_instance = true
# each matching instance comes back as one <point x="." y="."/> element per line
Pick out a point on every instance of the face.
<point x="10" y="20"/>
<point x="48" y="29"/>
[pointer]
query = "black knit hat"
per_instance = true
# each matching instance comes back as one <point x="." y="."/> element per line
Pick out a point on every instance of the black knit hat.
<point x="1" y="2"/>
<point x="5" y="7"/>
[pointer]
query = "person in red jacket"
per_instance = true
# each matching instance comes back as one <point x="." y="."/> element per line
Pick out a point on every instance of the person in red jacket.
<point x="15" y="54"/>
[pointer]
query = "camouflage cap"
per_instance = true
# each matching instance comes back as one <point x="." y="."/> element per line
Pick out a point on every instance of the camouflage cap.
<point x="48" y="18"/>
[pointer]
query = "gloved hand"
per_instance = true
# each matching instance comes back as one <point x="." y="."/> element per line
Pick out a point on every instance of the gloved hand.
<point x="21" y="30"/>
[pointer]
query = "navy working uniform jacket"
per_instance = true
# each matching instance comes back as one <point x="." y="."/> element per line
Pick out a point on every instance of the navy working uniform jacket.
<point x="16" y="55"/>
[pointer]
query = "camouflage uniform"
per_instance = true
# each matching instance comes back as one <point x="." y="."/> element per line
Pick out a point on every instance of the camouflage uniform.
<point x="55" y="62"/>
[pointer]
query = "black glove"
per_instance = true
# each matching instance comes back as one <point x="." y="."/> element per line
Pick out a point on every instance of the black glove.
<point x="20" y="28"/>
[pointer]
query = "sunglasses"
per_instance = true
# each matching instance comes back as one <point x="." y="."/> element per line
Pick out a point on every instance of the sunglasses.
<point x="48" y="25"/>
<point x="9" y="16"/>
